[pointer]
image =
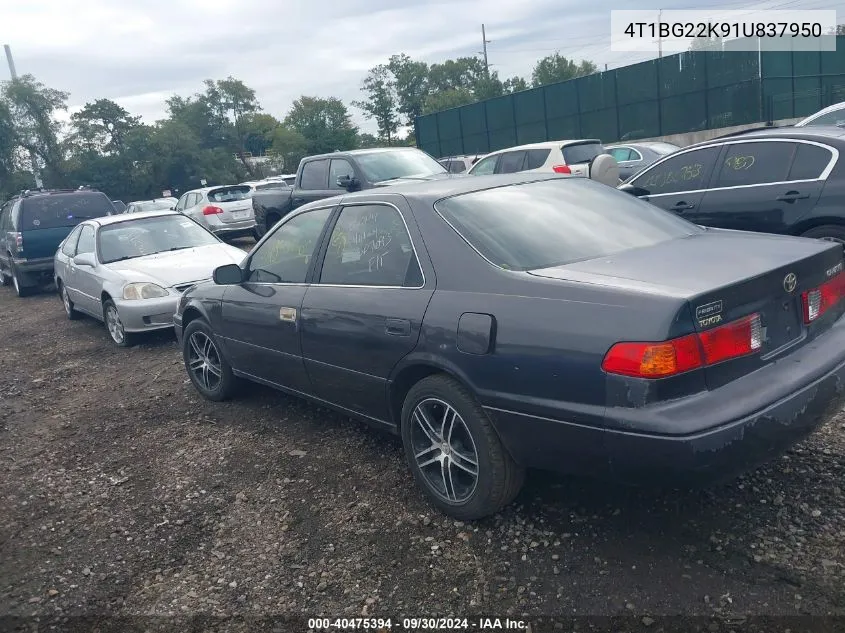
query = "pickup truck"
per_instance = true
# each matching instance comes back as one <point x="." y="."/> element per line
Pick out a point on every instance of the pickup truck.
<point x="326" y="175"/>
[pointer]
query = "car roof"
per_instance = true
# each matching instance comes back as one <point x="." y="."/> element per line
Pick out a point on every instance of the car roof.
<point x="359" y="152"/>
<point x="546" y="145"/>
<point x="116" y="219"/>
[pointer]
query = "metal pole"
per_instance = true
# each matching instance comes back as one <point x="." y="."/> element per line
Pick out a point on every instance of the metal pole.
<point x="659" y="39"/>
<point x="14" y="73"/>
<point x="484" y="41"/>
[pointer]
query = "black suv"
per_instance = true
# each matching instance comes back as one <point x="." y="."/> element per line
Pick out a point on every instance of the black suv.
<point x="778" y="180"/>
<point x="33" y="224"/>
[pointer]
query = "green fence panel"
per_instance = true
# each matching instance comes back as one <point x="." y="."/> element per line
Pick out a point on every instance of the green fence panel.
<point x="500" y="139"/>
<point x="500" y="113"/>
<point x="732" y="67"/>
<point x="736" y="104"/>
<point x="684" y="113"/>
<point x="427" y="137"/>
<point x="597" y="92"/>
<point x="600" y="124"/>
<point x="531" y="133"/>
<point x="638" y="120"/>
<point x="561" y="99"/>
<point x="565" y="127"/>
<point x="451" y="147"/>
<point x="682" y="73"/>
<point x="636" y="83"/>
<point x="529" y="107"/>
<point x="778" y="94"/>
<point x="473" y="120"/>
<point x="449" y="125"/>
<point x="476" y="144"/>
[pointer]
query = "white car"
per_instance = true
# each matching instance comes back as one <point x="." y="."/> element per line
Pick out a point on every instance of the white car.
<point x="157" y="204"/>
<point x="226" y="211"/>
<point x="261" y="185"/>
<point x="459" y="164"/>
<point x="129" y="271"/>
<point x="570" y="157"/>
<point x="831" y="115"/>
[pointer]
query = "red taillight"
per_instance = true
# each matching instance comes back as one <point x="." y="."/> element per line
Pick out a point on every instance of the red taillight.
<point x="669" y="358"/>
<point x="561" y="169"/>
<point x="19" y="242"/>
<point x="819" y="300"/>
<point x="211" y="210"/>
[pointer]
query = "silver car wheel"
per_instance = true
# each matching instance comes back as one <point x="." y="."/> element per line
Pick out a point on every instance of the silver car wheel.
<point x="204" y="361"/>
<point x="115" y="325"/>
<point x="444" y="450"/>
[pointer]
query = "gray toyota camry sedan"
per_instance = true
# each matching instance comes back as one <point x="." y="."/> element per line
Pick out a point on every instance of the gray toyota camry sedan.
<point x="130" y="270"/>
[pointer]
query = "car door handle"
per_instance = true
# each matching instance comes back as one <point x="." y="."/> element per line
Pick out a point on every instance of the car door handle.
<point x="682" y="206"/>
<point x="790" y="196"/>
<point x="398" y="327"/>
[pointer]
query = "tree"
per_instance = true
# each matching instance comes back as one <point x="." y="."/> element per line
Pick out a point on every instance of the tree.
<point x="706" y="44"/>
<point x="258" y="129"/>
<point x="290" y="145"/>
<point x="325" y="124"/>
<point x="102" y="127"/>
<point x="367" y="141"/>
<point x="556" y="68"/>
<point x="381" y="101"/>
<point x="31" y="110"/>
<point x="515" y="84"/>
<point x="446" y="99"/>
<point x="410" y="80"/>
<point x="456" y="74"/>
<point x="233" y="96"/>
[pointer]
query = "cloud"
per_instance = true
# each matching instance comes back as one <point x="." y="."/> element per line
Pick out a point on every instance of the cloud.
<point x="139" y="53"/>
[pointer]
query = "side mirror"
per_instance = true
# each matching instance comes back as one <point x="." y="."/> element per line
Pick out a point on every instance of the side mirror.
<point x="350" y="183"/>
<point x="85" y="259"/>
<point x="228" y="275"/>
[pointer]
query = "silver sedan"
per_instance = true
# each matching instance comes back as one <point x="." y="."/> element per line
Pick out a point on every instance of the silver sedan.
<point x="130" y="270"/>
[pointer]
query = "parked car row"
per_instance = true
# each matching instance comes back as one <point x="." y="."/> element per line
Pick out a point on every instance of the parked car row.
<point x="494" y="322"/>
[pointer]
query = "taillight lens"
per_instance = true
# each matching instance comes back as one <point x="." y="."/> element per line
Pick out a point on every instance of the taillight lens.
<point x="212" y="210"/>
<point x="819" y="300"/>
<point x="669" y="358"/>
<point x="561" y="169"/>
<point x="19" y="242"/>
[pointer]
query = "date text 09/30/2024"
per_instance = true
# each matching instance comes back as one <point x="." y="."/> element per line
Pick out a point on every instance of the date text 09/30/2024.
<point x="386" y="625"/>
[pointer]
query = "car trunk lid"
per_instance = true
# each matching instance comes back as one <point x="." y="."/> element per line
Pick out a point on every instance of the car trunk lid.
<point x="577" y="156"/>
<point x="235" y="203"/>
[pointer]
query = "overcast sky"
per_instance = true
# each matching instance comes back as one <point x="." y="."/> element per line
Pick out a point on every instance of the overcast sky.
<point x="139" y="53"/>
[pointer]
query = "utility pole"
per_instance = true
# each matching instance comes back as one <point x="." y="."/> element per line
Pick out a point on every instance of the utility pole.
<point x="484" y="42"/>
<point x="14" y="73"/>
<point x="659" y="39"/>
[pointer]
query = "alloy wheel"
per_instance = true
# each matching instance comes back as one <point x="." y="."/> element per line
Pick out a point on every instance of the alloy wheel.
<point x="115" y="325"/>
<point x="444" y="450"/>
<point x="204" y="361"/>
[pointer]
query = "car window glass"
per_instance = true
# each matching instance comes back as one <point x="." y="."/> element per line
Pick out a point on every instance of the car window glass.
<point x="558" y="222"/>
<point x="809" y="163"/>
<point x="370" y="246"/>
<point x="181" y="204"/>
<point x="339" y="167"/>
<point x="620" y="153"/>
<point x="485" y="166"/>
<point x="286" y="254"/>
<point x="536" y="158"/>
<point x="314" y="175"/>
<point x="63" y="209"/>
<point x="686" y="172"/>
<point x="511" y="162"/>
<point x="86" y="240"/>
<point x="236" y="193"/>
<point x="754" y="163"/>
<point x="69" y="247"/>
<point x="837" y="117"/>
<point x="4" y="217"/>
<point x="581" y="152"/>
<point x="457" y="167"/>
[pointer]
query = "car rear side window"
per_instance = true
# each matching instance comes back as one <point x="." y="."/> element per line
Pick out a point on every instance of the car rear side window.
<point x="810" y="161"/>
<point x="485" y="166"/>
<point x="457" y="167"/>
<point x="62" y="210"/>
<point x="620" y="153"/>
<point x="315" y="175"/>
<point x="229" y="194"/>
<point x="536" y="158"/>
<point x="511" y="162"/>
<point x="754" y="164"/>
<point x="685" y="172"/>
<point x="581" y="152"/>
<point x="555" y="222"/>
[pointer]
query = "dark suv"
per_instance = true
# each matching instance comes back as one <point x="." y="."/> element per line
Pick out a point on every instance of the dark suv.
<point x="777" y="180"/>
<point x="33" y="224"/>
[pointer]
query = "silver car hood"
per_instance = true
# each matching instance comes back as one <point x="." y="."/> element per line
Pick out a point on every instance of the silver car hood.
<point x="178" y="267"/>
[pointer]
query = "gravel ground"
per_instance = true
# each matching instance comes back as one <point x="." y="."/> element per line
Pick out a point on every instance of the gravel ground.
<point x="124" y="493"/>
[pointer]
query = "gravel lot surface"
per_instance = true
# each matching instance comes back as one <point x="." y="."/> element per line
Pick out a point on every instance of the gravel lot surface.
<point x="123" y="493"/>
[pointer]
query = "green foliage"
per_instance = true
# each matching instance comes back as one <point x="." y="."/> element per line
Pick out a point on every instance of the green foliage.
<point x="381" y="102"/>
<point x="325" y="124"/>
<point x="555" y="68"/>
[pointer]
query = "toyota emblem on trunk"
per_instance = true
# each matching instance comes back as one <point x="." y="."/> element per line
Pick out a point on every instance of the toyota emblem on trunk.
<point x="789" y="282"/>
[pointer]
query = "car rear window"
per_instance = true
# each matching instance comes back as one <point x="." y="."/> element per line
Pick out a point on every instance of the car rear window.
<point x="556" y="222"/>
<point x="581" y="152"/>
<point x="63" y="210"/>
<point x="271" y="185"/>
<point x="229" y="194"/>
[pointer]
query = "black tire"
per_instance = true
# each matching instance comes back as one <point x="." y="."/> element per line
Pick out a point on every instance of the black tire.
<point x="499" y="478"/>
<point x="5" y="279"/>
<point x="20" y="289"/>
<point x="125" y="339"/>
<point x="70" y="312"/>
<point x="831" y="232"/>
<point x="197" y="332"/>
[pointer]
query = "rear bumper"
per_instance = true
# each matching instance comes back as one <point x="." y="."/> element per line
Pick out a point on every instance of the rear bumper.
<point x="748" y="426"/>
<point x="241" y="228"/>
<point x="34" y="266"/>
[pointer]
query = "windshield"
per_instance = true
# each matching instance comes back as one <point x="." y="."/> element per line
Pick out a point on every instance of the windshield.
<point x="63" y="210"/>
<point x="230" y="194"/>
<point x="147" y="236"/>
<point x="556" y="222"/>
<point x="393" y="164"/>
<point x="154" y="205"/>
